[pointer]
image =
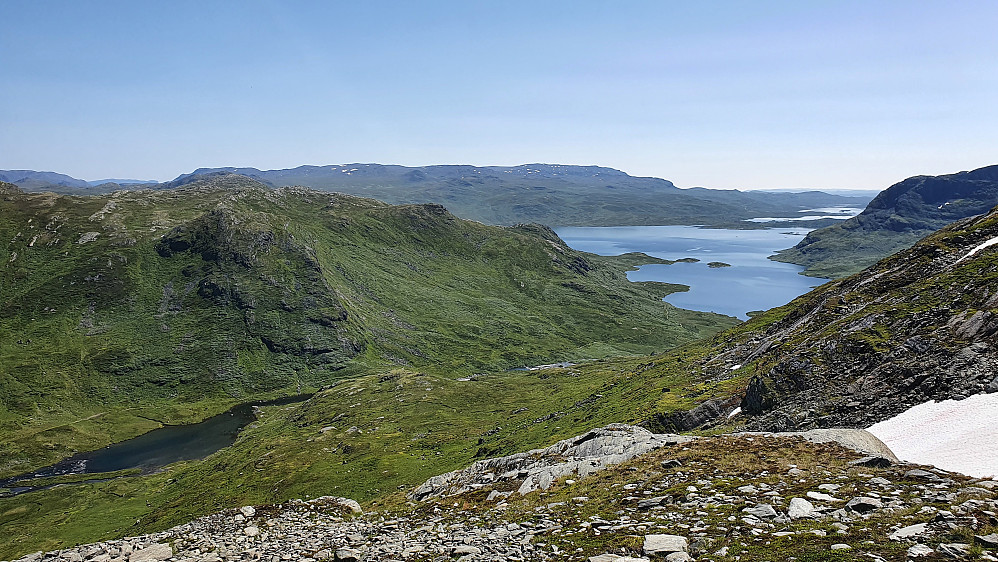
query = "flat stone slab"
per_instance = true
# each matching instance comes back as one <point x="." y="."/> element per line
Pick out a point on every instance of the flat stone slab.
<point x="152" y="553"/>
<point x="665" y="544"/>
<point x="908" y="532"/>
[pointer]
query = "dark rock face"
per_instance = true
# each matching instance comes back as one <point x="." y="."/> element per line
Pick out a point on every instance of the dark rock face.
<point x="702" y="415"/>
<point x="757" y="398"/>
<point x="919" y="326"/>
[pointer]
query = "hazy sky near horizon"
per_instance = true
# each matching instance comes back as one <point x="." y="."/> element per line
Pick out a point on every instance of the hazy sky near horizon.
<point x="723" y="94"/>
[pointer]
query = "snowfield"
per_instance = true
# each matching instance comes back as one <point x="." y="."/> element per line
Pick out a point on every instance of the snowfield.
<point x="955" y="435"/>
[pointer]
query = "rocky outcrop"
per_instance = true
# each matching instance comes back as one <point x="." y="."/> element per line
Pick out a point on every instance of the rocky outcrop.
<point x="859" y="440"/>
<point x="917" y="327"/>
<point x="538" y="469"/>
<point x="703" y="499"/>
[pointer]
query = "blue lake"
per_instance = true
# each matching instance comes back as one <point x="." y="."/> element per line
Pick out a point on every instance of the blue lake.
<point x="753" y="282"/>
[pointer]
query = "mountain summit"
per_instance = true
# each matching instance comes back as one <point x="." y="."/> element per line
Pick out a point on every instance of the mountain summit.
<point x="894" y="220"/>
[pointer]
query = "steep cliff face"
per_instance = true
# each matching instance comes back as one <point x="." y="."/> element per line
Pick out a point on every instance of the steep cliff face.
<point x="895" y="219"/>
<point x="918" y="326"/>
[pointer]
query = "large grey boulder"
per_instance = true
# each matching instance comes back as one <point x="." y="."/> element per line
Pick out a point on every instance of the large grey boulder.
<point x="800" y="509"/>
<point x="864" y="504"/>
<point x="537" y="469"/>
<point x="859" y="440"/>
<point x="762" y="511"/>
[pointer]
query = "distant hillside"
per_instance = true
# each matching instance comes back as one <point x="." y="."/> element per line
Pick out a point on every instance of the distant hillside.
<point x="894" y="220"/>
<point x="121" y="181"/>
<point x="30" y="180"/>
<point x="551" y="194"/>
<point x="554" y="195"/>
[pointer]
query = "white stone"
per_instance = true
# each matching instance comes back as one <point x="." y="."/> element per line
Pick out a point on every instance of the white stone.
<point x="800" y="509"/>
<point x="841" y="546"/>
<point x="664" y="544"/>
<point x="762" y="511"/>
<point x="919" y="550"/>
<point x="822" y="497"/>
<point x="251" y="531"/>
<point x="152" y="553"/>
<point x="247" y="510"/>
<point x="908" y="532"/>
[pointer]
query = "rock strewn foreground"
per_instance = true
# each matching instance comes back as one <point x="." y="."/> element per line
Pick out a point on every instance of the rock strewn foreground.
<point x="741" y="497"/>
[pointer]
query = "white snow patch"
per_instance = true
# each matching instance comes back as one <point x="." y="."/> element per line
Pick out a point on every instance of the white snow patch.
<point x="735" y="412"/>
<point x="955" y="435"/>
<point x="991" y="242"/>
<point x="735" y="367"/>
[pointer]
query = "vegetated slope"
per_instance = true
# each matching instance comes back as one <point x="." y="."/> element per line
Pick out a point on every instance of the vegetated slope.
<point x="555" y="195"/>
<point x="895" y="219"/>
<point x="915" y="327"/>
<point x="918" y="326"/>
<point x="123" y="311"/>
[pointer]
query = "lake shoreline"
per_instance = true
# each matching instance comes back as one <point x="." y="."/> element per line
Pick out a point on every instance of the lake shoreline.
<point x="748" y="281"/>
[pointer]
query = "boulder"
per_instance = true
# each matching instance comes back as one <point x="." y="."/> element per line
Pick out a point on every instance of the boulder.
<point x="348" y="555"/>
<point x="919" y="551"/>
<point x="538" y="469"/>
<point x="864" y="504"/>
<point x="908" y="532"/>
<point x="659" y="545"/>
<point x="954" y="550"/>
<point x="762" y="511"/>
<point x="872" y="462"/>
<point x="152" y="553"/>
<point x="800" y="509"/>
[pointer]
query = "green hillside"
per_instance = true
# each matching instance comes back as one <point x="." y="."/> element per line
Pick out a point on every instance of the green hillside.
<point x="913" y="328"/>
<point x="122" y="312"/>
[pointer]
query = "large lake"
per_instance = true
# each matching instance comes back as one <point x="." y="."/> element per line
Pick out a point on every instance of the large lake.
<point x="753" y="282"/>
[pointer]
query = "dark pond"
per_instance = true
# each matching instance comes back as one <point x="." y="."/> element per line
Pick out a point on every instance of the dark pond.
<point x="156" y="449"/>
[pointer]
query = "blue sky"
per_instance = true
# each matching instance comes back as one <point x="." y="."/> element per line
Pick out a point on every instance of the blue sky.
<point x="717" y="94"/>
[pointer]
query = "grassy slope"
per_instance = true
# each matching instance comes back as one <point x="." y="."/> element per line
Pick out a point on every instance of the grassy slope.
<point x="369" y="436"/>
<point x="366" y="438"/>
<point x="187" y="301"/>
<point x="836" y="251"/>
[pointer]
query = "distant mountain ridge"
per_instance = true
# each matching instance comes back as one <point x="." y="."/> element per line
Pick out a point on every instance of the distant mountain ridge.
<point x="30" y="180"/>
<point x="895" y="219"/>
<point x="551" y="194"/>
